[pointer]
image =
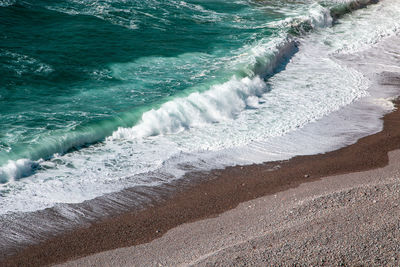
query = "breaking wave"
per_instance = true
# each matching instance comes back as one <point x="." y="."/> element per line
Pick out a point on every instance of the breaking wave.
<point x="221" y="102"/>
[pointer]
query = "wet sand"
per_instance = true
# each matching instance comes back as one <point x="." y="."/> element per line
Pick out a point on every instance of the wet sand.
<point x="349" y="219"/>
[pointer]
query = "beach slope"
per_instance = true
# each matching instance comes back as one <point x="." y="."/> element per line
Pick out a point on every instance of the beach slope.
<point x="346" y="219"/>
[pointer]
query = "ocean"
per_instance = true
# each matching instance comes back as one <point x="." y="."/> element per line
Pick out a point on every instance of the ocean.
<point x="101" y="95"/>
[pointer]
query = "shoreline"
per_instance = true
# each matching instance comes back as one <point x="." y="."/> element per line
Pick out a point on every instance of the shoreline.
<point x="328" y="222"/>
<point x="223" y="190"/>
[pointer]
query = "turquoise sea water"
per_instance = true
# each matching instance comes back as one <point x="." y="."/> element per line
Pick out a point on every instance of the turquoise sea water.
<point x="74" y="71"/>
<point x="98" y="87"/>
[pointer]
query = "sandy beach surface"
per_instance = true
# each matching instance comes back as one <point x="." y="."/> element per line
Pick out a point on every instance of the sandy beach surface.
<point x="347" y="219"/>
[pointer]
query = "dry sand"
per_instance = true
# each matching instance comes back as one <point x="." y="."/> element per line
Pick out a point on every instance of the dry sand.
<point x="346" y="219"/>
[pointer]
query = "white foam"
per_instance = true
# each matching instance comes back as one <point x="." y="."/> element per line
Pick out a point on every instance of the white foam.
<point x="15" y="170"/>
<point x="317" y="17"/>
<point x="222" y="102"/>
<point x="386" y="103"/>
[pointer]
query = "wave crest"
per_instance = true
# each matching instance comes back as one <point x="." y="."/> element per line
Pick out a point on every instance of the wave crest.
<point x="220" y="103"/>
<point x="16" y="169"/>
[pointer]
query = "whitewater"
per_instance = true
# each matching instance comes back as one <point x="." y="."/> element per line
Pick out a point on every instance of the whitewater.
<point x="280" y="86"/>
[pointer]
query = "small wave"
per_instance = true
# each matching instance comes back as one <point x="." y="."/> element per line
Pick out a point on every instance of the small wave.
<point x="319" y="17"/>
<point x="349" y="6"/>
<point x="16" y="169"/>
